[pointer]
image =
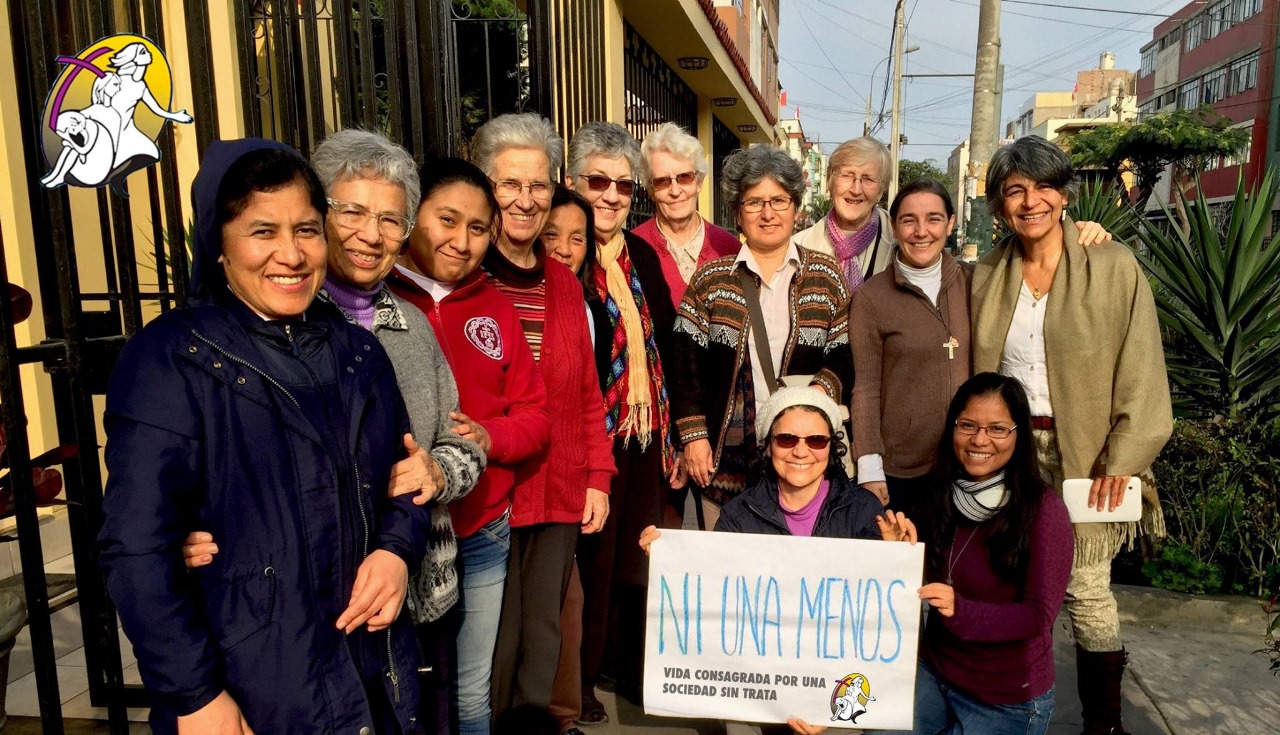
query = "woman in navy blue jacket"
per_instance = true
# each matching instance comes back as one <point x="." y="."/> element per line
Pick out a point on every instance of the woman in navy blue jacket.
<point x="272" y="423"/>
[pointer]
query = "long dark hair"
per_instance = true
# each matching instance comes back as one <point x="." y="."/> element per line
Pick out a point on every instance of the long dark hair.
<point x="563" y="197"/>
<point x="1022" y="479"/>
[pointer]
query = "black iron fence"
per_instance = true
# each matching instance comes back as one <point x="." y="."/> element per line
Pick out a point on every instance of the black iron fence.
<point x="655" y="94"/>
<point x="723" y="142"/>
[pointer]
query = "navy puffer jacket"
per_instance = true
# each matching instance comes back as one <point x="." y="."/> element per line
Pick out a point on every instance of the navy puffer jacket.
<point x="848" y="512"/>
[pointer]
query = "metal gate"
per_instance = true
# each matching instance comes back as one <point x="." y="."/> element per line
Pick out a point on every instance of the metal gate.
<point x="723" y="142"/>
<point x="86" y="327"/>
<point x="655" y="94"/>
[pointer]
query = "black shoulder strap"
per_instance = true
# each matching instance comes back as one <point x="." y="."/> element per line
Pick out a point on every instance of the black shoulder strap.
<point x="751" y="292"/>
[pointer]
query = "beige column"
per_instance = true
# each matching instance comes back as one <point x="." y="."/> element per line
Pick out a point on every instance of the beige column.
<point x="706" y="197"/>
<point x="615" y="92"/>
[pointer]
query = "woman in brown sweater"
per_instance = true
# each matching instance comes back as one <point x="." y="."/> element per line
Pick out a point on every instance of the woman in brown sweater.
<point x="909" y="327"/>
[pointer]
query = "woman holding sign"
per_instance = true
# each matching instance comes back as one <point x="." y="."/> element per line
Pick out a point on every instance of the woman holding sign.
<point x="999" y="552"/>
<point x="803" y="491"/>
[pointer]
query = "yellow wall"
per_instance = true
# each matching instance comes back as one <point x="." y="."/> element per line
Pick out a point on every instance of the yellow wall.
<point x="614" y="51"/>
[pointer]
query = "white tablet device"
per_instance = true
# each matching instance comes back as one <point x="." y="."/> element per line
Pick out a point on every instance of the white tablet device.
<point x="1075" y="493"/>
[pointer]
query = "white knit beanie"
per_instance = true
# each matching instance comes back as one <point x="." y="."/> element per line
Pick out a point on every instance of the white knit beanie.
<point x="790" y="397"/>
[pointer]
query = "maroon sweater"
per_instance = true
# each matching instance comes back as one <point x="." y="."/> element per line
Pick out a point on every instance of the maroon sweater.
<point x="998" y="647"/>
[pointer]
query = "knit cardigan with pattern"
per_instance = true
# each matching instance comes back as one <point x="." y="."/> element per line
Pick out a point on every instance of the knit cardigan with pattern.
<point x="712" y="341"/>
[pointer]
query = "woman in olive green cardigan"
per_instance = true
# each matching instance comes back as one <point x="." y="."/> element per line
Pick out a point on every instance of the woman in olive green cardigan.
<point x="1078" y="327"/>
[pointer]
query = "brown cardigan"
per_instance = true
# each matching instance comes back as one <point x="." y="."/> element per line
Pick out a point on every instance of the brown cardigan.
<point x="903" y="378"/>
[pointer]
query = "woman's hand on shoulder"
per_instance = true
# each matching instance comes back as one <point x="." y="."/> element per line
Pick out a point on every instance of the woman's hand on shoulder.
<point x="879" y="489"/>
<point x="418" y="473"/>
<point x="942" y="597"/>
<point x="647" y="537"/>
<point x="895" y="526"/>
<point x="1091" y="233"/>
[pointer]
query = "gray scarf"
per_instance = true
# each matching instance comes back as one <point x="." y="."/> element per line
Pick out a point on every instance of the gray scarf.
<point x="980" y="501"/>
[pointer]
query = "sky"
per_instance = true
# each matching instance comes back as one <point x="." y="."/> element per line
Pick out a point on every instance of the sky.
<point x="829" y="49"/>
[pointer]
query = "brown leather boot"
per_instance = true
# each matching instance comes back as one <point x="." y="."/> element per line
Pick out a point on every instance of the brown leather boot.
<point x="1098" y="679"/>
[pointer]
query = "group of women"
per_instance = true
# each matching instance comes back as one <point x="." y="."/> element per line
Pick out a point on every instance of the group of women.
<point x="467" y="390"/>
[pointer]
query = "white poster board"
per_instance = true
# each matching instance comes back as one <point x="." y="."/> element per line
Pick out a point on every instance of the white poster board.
<point x="761" y="628"/>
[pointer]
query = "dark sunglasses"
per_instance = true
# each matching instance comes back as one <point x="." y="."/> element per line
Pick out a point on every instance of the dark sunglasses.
<point x="683" y="179"/>
<point x="789" y="441"/>
<point x="596" y="182"/>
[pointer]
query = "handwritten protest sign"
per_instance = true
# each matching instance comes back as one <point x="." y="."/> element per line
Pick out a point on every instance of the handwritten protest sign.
<point x="762" y="628"/>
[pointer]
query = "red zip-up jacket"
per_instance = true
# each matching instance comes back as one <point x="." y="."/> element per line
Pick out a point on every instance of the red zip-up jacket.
<point x="499" y="386"/>
<point x="580" y="455"/>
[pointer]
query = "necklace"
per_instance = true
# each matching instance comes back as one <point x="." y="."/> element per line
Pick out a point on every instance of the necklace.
<point x="951" y="561"/>
<point x="1036" y="291"/>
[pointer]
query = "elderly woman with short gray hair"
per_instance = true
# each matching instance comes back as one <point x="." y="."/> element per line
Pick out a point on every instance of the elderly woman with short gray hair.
<point x="1077" y="326"/>
<point x="746" y="321"/>
<point x="564" y="489"/>
<point x="857" y="231"/>
<point x="604" y="161"/>
<point x="673" y="168"/>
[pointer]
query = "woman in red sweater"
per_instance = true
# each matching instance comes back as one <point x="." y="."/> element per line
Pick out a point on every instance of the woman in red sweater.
<point x="500" y="391"/>
<point x="999" y="554"/>
<point x="564" y="490"/>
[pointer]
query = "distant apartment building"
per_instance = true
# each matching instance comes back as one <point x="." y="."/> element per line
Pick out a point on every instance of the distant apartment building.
<point x="1103" y="94"/>
<point x="957" y="172"/>
<point x="813" y="162"/>
<point x="1222" y="54"/>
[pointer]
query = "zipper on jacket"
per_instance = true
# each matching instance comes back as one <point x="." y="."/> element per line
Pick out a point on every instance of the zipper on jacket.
<point x="364" y="516"/>
<point x="245" y="363"/>
<point x="293" y="346"/>
<point x="391" y="670"/>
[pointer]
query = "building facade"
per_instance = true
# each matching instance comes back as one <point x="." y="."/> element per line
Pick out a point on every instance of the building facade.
<point x="1222" y="54"/>
<point x="813" y="162"/>
<point x="1101" y="95"/>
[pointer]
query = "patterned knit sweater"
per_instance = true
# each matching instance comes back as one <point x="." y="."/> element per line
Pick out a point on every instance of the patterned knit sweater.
<point x="712" y="342"/>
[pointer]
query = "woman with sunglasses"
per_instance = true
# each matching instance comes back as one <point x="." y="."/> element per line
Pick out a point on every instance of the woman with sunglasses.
<point x="804" y="490"/>
<point x="673" y="165"/>
<point x="774" y="309"/>
<point x="627" y="277"/>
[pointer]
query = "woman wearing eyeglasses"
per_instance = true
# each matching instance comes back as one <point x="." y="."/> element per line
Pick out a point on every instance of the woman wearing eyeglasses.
<point x="803" y="490"/>
<point x="772" y="310"/>
<point x="564" y="489"/>
<point x="857" y="231"/>
<point x="627" y="277"/>
<point x="674" y="167"/>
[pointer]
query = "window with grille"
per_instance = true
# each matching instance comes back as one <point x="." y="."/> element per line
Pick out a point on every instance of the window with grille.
<point x="1244" y="74"/>
<point x="1189" y="95"/>
<point x="1194" y="33"/>
<point x="1148" y="62"/>
<point x="1214" y="86"/>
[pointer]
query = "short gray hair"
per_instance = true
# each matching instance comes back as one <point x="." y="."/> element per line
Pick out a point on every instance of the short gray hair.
<point x="609" y="140"/>
<point x="517" y="130"/>
<point x="358" y="154"/>
<point x="860" y="151"/>
<point x="672" y="139"/>
<point x="746" y="167"/>
<point x="1038" y="160"/>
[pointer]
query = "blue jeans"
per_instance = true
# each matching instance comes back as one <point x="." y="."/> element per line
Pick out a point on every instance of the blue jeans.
<point x="483" y="576"/>
<point x="942" y="710"/>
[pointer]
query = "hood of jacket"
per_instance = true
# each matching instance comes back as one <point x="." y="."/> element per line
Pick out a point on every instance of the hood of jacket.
<point x="207" y="277"/>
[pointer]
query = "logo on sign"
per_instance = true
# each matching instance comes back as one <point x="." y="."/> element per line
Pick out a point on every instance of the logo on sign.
<point x="850" y="697"/>
<point x="482" y="331"/>
<point x="105" y="112"/>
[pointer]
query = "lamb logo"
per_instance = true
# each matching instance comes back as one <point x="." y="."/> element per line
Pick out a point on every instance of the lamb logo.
<point x="850" y="697"/>
<point x="483" y="332"/>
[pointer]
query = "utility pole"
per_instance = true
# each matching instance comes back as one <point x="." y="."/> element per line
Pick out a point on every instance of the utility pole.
<point x="982" y="135"/>
<point x="895" y="122"/>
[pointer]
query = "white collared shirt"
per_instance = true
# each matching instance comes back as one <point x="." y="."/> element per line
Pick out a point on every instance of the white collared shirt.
<point x="775" y="306"/>
<point x="1023" y="356"/>
<point x="686" y="254"/>
<point x="437" y="289"/>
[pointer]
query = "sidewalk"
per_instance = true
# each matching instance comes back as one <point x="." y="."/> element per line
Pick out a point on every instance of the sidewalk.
<point x="1191" y="672"/>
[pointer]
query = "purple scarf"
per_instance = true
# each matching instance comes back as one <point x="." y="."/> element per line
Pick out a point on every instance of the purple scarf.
<point x="848" y="248"/>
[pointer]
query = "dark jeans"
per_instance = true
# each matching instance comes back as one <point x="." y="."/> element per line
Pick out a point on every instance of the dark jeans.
<point x="528" y="648"/>
<point x="436" y="642"/>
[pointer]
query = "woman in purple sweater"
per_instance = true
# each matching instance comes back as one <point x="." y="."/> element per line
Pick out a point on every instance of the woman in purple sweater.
<point x="999" y="555"/>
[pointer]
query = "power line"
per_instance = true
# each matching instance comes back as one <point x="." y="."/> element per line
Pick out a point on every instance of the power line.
<point x="1089" y="9"/>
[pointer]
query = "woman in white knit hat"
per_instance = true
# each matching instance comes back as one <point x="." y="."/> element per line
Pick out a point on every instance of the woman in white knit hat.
<point x="805" y="490"/>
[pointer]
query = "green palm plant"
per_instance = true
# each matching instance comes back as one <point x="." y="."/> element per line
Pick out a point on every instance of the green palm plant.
<point x="1104" y="202"/>
<point x="1218" y="296"/>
